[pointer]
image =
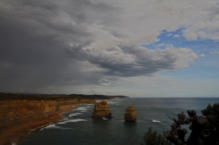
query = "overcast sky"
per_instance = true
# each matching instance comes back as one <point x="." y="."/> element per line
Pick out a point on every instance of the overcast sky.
<point x="139" y="48"/>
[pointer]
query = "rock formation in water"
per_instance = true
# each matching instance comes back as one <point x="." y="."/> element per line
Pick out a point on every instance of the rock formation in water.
<point x="101" y="110"/>
<point x="130" y="115"/>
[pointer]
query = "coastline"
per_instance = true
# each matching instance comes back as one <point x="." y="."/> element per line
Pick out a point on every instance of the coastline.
<point x="14" y="133"/>
<point x="22" y="113"/>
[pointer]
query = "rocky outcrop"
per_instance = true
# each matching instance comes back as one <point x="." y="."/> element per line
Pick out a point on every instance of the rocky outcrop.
<point x="101" y="110"/>
<point x="21" y="113"/>
<point x="130" y="114"/>
<point x="19" y="116"/>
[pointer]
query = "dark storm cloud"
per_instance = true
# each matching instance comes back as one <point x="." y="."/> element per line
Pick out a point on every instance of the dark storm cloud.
<point x="32" y="49"/>
<point x="51" y="43"/>
<point x="128" y="61"/>
<point x="31" y="61"/>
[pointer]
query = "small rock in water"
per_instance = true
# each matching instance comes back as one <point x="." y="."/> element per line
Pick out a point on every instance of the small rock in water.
<point x="130" y="115"/>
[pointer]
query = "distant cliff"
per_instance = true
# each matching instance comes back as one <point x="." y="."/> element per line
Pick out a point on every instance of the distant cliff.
<point x="20" y="113"/>
<point x="11" y="96"/>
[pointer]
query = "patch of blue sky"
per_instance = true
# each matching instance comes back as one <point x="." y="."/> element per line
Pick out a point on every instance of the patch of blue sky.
<point x="177" y="40"/>
<point x="202" y="67"/>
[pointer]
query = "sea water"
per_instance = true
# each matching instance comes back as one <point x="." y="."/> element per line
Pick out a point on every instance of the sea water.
<point x="79" y="128"/>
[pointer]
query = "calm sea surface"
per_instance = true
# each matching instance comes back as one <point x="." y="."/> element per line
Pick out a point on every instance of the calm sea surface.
<point x="80" y="129"/>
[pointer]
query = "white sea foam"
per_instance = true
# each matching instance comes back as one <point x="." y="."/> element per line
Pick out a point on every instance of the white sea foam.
<point x="51" y="126"/>
<point x="54" y="126"/>
<point x="72" y="120"/>
<point x="74" y="114"/>
<point x="155" y="121"/>
<point x="114" y="101"/>
<point x="104" y="118"/>
<point x="83" y="109"/>
<point x="89" y="105"/>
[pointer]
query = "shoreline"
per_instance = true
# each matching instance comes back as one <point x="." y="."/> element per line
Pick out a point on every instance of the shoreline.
<point x="12" y="135"/>
<point x="21" y="114"/>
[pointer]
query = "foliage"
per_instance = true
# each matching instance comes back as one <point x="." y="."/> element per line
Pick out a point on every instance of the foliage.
<point x="153" y="138"/>
<point x="211" y="131"/>
<point x="204" y="129"/>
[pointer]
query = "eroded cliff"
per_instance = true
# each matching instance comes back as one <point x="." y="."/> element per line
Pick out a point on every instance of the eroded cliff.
<point x="20" y="115"/>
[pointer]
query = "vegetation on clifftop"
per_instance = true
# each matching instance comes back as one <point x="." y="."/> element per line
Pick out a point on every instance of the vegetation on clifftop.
<point x="203" y="129"/>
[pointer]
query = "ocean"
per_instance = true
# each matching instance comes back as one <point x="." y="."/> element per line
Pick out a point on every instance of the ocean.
<point x="80" y="129"/>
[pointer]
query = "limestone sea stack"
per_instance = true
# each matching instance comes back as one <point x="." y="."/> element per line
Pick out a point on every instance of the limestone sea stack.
<point x="130" y="115"/>
<point x="101" y="110"/>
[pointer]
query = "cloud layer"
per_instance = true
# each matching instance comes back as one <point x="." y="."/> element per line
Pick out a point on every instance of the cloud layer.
<point x="51" y="44"/>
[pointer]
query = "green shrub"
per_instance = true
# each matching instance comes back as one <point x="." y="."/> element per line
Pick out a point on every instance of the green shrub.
<point x="153" y="138"/>
<point x="203" y="129"/>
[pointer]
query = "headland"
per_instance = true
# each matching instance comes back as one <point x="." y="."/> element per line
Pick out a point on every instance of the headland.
<point x="22" y="113"/>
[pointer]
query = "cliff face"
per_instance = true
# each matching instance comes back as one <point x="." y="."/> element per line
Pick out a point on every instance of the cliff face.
<point x="15" y="109"/>
<point x="19" y="116"/>
<point x="20" y="113"/>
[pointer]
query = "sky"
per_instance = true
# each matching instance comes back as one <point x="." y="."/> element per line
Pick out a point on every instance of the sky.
<point x="138" y="48"/>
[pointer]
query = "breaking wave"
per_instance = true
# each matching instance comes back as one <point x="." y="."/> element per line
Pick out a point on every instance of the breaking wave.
<point x="155" y="121"/>
<point x="83" y="108"/>
<point x="53" y="126"/>
<point x="74" y="114"/>
<point x="72" y="120"/>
